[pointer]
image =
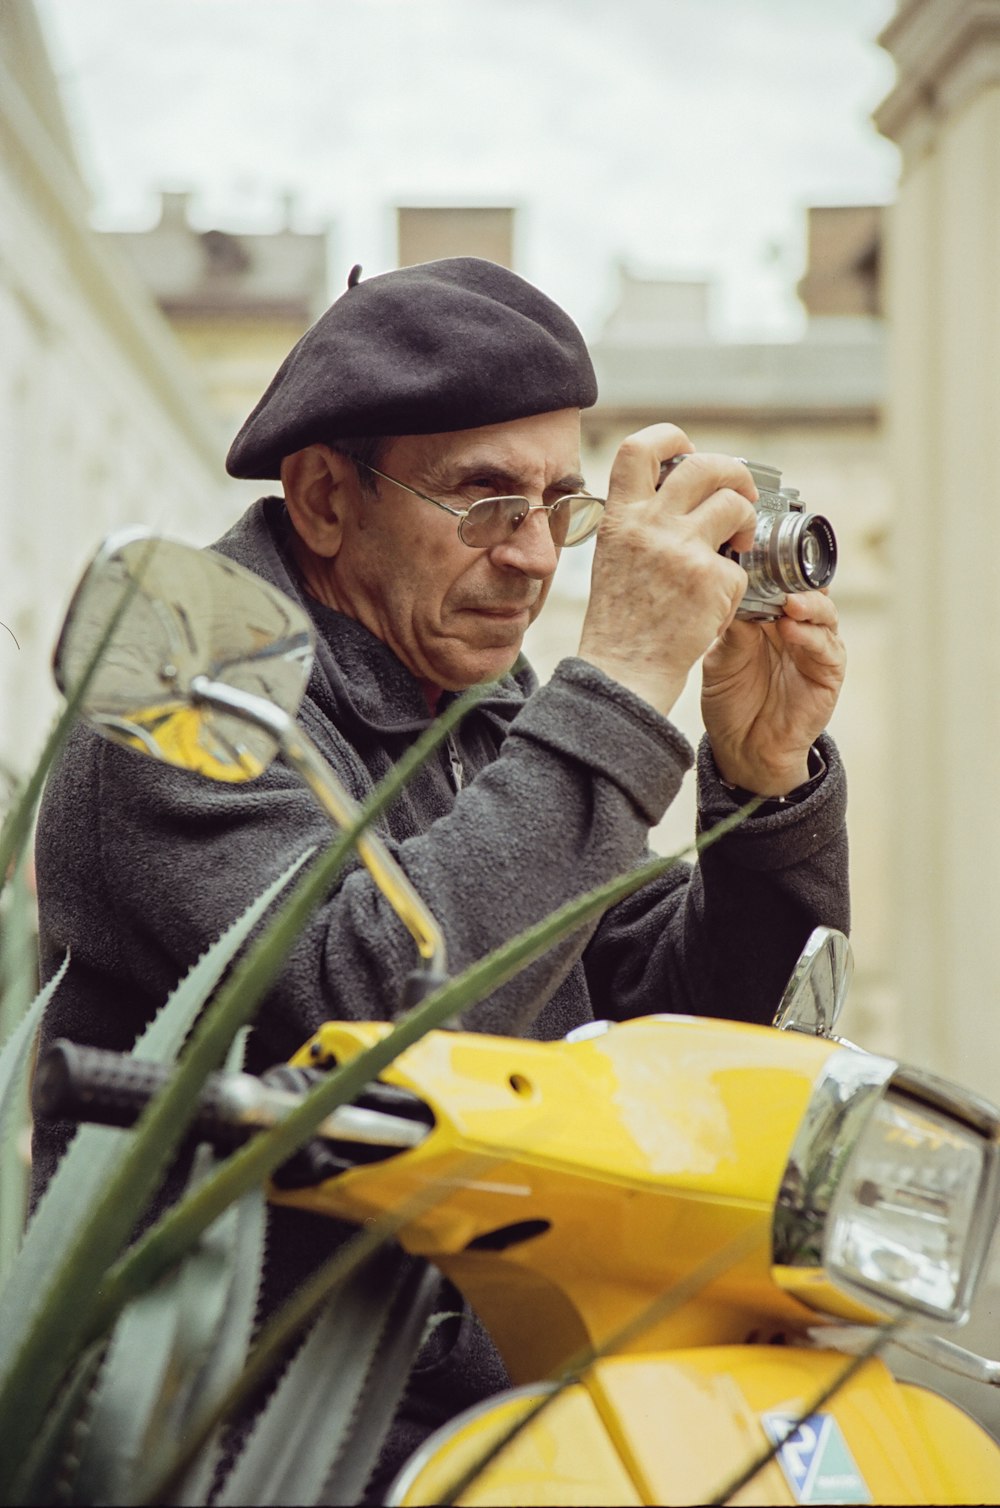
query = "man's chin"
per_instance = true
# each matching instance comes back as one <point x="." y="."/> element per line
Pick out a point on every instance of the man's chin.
<point x="478" y="666"/>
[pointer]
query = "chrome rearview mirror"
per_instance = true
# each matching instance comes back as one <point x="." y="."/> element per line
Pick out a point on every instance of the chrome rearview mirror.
<point x="189" y="616"/>
<point x="815" y="994"/>
<point x="205" y="667"/>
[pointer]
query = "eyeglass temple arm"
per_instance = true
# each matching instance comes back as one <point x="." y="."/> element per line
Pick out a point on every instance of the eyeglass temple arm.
<point x="302" y="754"/>
<point x="425" y="497"/>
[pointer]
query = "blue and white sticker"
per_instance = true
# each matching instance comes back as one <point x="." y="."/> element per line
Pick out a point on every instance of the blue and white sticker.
<point x="816" y="1460"/>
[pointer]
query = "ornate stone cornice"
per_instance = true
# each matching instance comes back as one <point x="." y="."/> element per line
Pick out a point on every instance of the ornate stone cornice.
<point x="946" y="51"/>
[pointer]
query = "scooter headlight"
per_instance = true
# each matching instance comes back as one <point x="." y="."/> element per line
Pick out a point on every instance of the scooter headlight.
<point x="901" y="1220"/>
<point x="887" y="1197"/>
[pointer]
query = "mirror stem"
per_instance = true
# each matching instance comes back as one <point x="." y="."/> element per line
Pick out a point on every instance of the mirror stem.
<point x="933" y="1348"/>
<point x="302" y="754"/>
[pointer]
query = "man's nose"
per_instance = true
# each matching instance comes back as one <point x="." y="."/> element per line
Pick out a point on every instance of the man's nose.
<point x="530" y="549"/>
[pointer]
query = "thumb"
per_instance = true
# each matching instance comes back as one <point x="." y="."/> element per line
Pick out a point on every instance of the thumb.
<point x="635" y="473"/>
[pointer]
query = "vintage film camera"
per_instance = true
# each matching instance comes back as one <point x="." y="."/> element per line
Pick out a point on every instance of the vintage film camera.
<point x="793" y="551"/>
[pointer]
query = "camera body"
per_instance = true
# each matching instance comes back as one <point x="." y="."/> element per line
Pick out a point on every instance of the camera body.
<point x="792" y="550"/>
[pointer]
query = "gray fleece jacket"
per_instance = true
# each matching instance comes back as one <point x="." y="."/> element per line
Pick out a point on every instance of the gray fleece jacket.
<point x="140" y="866"/>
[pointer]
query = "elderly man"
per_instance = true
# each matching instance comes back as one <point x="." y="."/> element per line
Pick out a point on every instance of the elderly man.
<point x="426" y="432"/>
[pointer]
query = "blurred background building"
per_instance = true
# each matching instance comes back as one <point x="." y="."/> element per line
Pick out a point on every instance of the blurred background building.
<point x="236" y="302"/>
<point x="128" y="359"/>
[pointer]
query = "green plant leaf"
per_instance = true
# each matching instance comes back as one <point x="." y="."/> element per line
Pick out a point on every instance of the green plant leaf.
<point x="159" y="1354"/>
<point x="18" y="948"/>
<point x="204" y="1351"/>
<point x="16" y="1049"/>
<point x="327" y="1390"/>
<point x="401" y="1337"/>
<point x="14" y="1059"/>
<point x="230" y="1348"/>
<point x="156" y="1364"/>
<point x="126" y="1395"/>
<point x="91" y="1206"/>
<point x="243" y="1225"/>
<point x="282" y="1329"/>
<point x="43" y="1459"/>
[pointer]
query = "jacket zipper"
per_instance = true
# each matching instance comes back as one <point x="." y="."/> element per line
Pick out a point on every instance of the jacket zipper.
<point x="455" y="760"/>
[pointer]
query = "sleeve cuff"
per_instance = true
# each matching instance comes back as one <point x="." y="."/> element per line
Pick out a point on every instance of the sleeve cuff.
<point x="584" y="714"/>
<point x="779" y="833"/>
<point x="817" y="769"/>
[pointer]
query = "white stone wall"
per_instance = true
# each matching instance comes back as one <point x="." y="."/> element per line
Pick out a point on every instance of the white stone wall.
<point x="101" y="422"/>
<point x="944" y="254"/>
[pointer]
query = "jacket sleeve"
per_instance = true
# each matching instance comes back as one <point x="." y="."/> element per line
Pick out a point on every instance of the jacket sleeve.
<point x="726" y="941"/>
<point x="141" y="866"/>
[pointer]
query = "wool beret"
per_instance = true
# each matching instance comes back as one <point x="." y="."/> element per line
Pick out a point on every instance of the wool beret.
<point x="444" y="345"/>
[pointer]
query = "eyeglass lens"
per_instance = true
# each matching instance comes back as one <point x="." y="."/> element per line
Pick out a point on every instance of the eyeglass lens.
<point x="493" y="519"/>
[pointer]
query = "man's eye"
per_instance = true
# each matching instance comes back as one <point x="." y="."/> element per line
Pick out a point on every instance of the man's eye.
<point x="483" y="486"/>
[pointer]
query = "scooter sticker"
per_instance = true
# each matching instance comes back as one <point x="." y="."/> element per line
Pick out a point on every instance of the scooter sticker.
<point x="817" y="1463"/>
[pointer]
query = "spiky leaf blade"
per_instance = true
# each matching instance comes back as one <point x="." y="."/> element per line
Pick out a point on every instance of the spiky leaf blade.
<point x="85" y="1216"/>
<point x="388" y="1375"/>
<point x="230" y="1346"/>
<point x="14" y="1059"/>
<point x="302" y="1430"/>
<point x="42" y="1468"/>
<point x="154" y="1362"/>
<point x="157" y="1364"/>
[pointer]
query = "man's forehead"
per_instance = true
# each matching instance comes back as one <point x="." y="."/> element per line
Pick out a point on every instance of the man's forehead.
<point x="544" y="442"/>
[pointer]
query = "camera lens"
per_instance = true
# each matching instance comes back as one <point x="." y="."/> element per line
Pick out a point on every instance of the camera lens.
<point x="792" y="552"/>
<point x="816" y="548"/>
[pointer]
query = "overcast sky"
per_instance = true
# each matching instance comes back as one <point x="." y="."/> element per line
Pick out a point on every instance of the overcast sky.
<point x="683" y="136"/>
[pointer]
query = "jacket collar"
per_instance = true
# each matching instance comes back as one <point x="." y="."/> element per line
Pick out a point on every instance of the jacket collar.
<point x="354" y="671"/>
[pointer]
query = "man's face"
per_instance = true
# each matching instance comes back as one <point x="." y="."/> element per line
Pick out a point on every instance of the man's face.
<point x="452" y="614"/>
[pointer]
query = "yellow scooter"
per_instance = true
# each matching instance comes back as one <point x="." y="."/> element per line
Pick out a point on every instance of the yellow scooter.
<point x="672" y="1227"/>
<point x="689" y="1238"/>
<point x="691" y="1214"/>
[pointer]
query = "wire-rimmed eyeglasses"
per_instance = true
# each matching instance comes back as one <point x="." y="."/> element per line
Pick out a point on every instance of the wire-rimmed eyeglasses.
<point x="492" y="520"/>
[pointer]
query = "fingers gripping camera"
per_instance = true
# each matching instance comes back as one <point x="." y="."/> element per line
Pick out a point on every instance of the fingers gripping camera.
<point x="792" y="551"/>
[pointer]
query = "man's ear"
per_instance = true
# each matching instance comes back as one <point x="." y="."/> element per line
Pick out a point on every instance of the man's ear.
<point x="318" y="484"/>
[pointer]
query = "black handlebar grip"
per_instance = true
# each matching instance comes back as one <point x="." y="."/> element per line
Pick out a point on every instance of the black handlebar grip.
<point x="77" y="1083"/>
<point x="91" y="1084"/>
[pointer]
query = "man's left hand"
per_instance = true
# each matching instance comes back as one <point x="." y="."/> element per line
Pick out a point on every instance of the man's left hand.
<point x="768" y="691"/>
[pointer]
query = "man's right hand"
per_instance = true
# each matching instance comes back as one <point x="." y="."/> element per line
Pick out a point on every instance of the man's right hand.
<point x="660" y="591"/>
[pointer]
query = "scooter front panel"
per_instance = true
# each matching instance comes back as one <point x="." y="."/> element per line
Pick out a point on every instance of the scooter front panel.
<point x="562" y="1459"/>
<point x="688" y="1424"/>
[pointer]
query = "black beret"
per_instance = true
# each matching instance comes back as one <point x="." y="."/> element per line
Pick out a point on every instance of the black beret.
<point x="444" y="345"/>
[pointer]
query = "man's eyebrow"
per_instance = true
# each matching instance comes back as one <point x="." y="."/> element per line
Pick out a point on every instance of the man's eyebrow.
<point x="574" y="482"/>
<point x="505" y="480"/>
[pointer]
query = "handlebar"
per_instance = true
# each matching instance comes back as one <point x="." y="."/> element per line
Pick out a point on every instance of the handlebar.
<point x="105" y="1088"/>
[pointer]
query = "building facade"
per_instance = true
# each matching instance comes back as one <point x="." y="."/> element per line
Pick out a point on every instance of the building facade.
<point x="237" y="301"/>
